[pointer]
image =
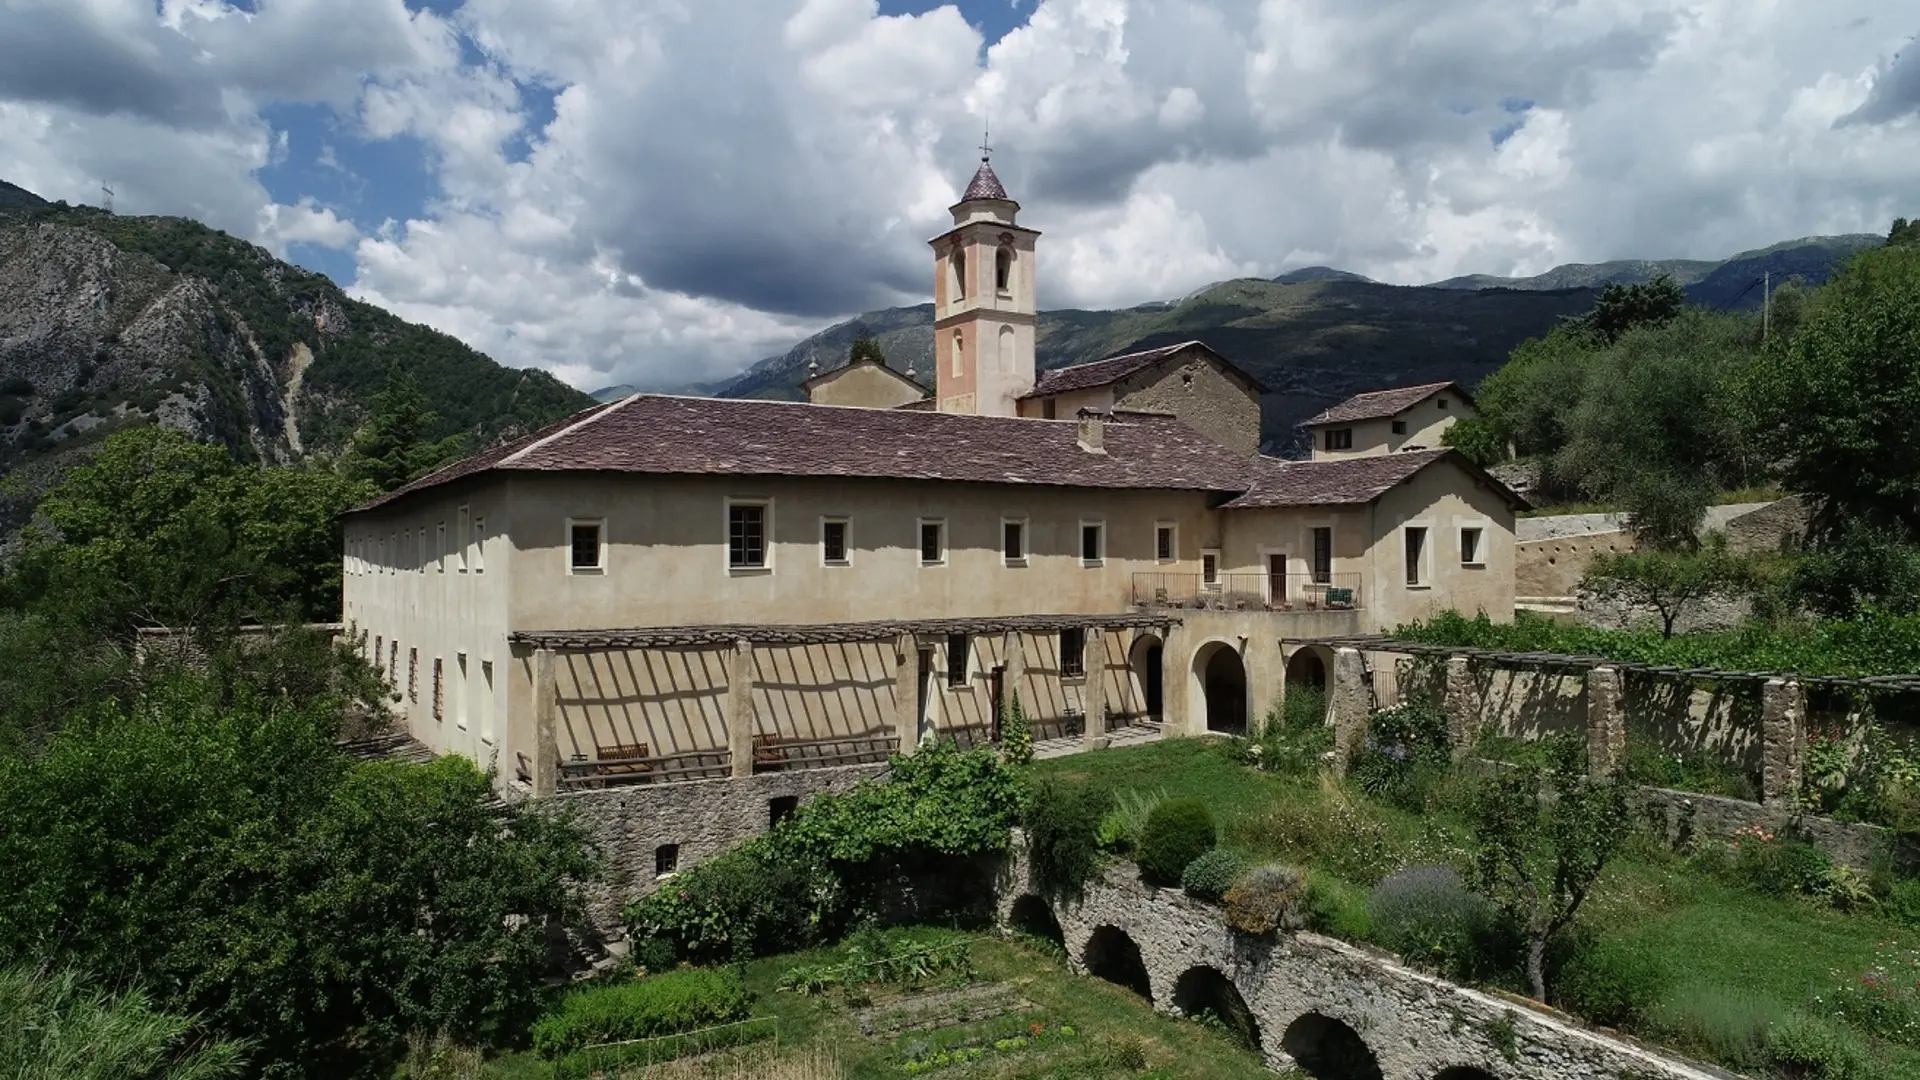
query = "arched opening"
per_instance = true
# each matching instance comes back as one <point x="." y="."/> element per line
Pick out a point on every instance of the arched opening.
<point x="1003" y="269"/>
<point x="1306" y="688"/>
<point x="959" y="363"/>
<point x="959" y="273"/>
<point x="1145" y="659"/>
<point x="1008" y="348"/>
<point x="1464" y="1072"/>
<point x="1112" y="955"/>
<point x="1223" y="687"/>
<point x="1204" y="994"/>
<point x="1327" y="1049"/>
<point x="1032" y="916"/>
<point x="1307" y="669"/>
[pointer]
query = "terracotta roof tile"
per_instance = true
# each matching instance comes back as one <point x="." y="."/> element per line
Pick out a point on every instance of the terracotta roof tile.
<point x="985" y="185"/>
<point x="1100" y="372"/>
<point x="1380" y="404"/>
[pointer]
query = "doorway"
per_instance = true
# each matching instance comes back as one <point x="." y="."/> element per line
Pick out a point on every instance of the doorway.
<point x="1277" y="581"/>
<point x="1223" y="688"/>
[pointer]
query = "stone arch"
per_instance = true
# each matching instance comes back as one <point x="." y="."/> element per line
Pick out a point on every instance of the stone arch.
<point x="1031" y="915"/>
<point x="1464" y="1072"/>
<point x="1112" y="955"/>
<point x="1202" y="990"/>
<point x="1145" y="659"/>
<point x="1309" y="666"/>
<point x="1329" y="1049"/>
<point x="1219" y="688"/>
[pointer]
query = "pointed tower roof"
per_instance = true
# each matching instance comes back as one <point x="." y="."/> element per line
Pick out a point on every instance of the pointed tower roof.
<point x="985" y="185"/>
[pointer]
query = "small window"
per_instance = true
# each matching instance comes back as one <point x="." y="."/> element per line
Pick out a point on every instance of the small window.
<point x="1073" y="652"/>
<point x="833" y="541"/>
<point x="460" y="691"/>
<point x="1165" y="547"/>
<point x="584" y="546"/>
<point x="1399" y="427"/>
<point x="439" y="691"/>
<point x="747" y="536"/>
<point x="1323" y="556"/>
<point x="1093" y="543"/>
<point x="1340" y="438"/>
<point x="666" y="860"/>
<point x="1210" y="569"/>
<point x="959" y="276"/>
<point x="1013" y="541"/>
<point x="1470" y="547"/>
<point x="956" y="659"/>
<point x="1003" y="269"/>
<point x="1049" y="410"/>
<point x="780" y="808"/>
<point x="440" y="547"/>
<point x="1416" y="553"/>
<point x="462" y="522"/>
<point x="933" y="543"/>
<point x="378" y="641"/>
<point x="413" y="676"/>
<point x="1443" y="404"/>
<point x="393" y="659"/>
<point x="486" y="700"/>
<point x="479" y="545"/>
<point x="959" y="356"/>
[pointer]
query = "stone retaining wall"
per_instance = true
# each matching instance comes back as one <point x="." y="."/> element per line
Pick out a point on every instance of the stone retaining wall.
<point x="1301" y="986"/>
<point x="1686" y="815"/>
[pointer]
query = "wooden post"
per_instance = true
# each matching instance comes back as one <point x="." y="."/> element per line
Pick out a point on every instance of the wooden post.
<point x="906" y="680"/>
<point x="1783" y="740"/>
<point x="739" y="718"/>
<point x="1347" y="705"/>
<point x="546" y="739"/>
<point x="1606" y="722"/>
<point x="1457" y="700"/>
<point x="1093" y="701"/>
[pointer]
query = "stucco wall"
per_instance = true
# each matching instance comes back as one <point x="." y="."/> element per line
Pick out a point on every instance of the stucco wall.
<point x="867" y="386"/>
<point x="1425" y="422"/>
<point x="1444" y="498"/>
<point x="1553" y="566"/>
<point x="1202" y="395"/>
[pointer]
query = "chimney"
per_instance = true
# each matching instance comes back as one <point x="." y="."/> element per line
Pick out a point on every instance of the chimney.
<point x="1093" y="426"/>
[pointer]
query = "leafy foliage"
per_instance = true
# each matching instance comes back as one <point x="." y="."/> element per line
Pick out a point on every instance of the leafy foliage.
<point x="866" y="347"/>
<point x="1405" y="753"/>
<point x="1267" y="899"/>
<point x="318" y="909"/>
<point x="1545" y="832"/>
<point x="1063" y="841"/>
<point x="55" y="1027"/>
<point x="1671" y="582"/>
<point x="1178" y="831"/>
<point x="1016" y="735"/>
<point x="668" y="1004"/>
<point x="1621" y="308"/>
<point x="1613" y="983"/>
<point x="1427" y="915"/>
<point x="1212" y="874"/>
<point x="394" y="447"/>
<point x="1120" y="827"/>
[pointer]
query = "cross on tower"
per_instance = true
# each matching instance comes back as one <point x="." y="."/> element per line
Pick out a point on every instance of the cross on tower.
<point x="985" y="150"/>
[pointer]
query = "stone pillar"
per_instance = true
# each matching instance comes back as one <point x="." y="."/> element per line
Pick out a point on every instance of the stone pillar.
<point x="1347" y="704"/>
<point x="1013" y="670"/>
<point x="546" y="738"/>
<point x="739" y="717"/>
<point x="906" y="682"/>
<point x="1175" y="661"/>
<point x="1457" y="700"/>
<point x="1093" y="701"/>
<point x="1606" y="721"/>
<point x="1783" y="740"/>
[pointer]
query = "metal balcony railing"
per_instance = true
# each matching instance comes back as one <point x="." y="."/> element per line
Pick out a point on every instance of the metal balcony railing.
<point x="1248" y="592"/>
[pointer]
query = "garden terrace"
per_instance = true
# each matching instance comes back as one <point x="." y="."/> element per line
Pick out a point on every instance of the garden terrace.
<point x="1248" y="592"/>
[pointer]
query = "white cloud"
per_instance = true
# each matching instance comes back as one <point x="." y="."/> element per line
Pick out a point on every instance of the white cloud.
<point x="718" y="179"/>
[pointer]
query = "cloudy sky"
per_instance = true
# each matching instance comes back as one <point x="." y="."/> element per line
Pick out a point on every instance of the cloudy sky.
<point x="664" y="191"/>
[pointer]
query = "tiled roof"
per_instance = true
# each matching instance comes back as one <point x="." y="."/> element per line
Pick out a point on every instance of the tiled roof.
<point x="985" y="185"/>
<point x="1380" y="404"/>
<point x="650" y="433"/>
<point x="1347" y="481"/>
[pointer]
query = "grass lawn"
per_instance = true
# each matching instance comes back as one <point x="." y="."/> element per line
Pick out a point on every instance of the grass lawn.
<point x="1716" y="941"/>
<point x="1103" y="1018"/>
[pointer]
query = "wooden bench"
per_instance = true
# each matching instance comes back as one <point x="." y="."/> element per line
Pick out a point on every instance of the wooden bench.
<point x="618" y="751"/>
<point x="768" y="753"/>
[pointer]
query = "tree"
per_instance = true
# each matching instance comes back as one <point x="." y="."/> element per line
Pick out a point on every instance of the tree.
<point x="395" y="445"/>
<point x="1670" y="582"/>
<point x="1620" y="308"/>
<point x="1904" y="233"/>
<point x="1544" y="833"/>
<point x="866" y="347"/>
<point x="55" y="1027"/>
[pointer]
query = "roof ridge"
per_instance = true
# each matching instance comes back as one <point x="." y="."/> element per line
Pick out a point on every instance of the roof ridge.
<point x="515" y="457"/>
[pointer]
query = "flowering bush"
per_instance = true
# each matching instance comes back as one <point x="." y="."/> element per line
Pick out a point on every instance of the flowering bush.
<point x="1405" y="752"/>
<point x="1266" y="899"/>
<point x="1883" y="1001"/>
<point x="1427" y="915"/>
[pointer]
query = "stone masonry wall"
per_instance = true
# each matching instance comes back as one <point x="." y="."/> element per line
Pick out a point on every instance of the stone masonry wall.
<point x="1416" y="1025"/>
<point x="629" y="824"/>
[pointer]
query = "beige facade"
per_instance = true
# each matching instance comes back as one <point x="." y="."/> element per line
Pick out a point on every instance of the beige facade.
<point x="863" y="384"/>
<point x="1193" y="384"/>
<point x="1419" y="426"/>
<point x="985" y="308"/>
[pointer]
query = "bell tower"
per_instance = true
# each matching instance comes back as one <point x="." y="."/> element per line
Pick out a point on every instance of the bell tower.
<point x="983" y="301"/>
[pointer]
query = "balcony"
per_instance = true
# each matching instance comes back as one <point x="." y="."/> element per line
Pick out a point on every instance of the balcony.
<point x="1248" y="592"/>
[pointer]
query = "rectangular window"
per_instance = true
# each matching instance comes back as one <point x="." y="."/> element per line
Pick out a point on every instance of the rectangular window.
<point x="486" y="700"/>
<point x="1340" y="438"/>
<point x="666" y="860"/>
<point x="1210" y="569"/>
<point x="439" y="691"/>
<point x="933" y="542"/>
<point x="479" y="545"/>
<point x="378" y="641"/>
<point x="440" y="547"/>
<point x="393" y="659"/>
<point x="956" y="659"/>
<point x="1443" y="404"/>
<point x="1416" y="553"/>
<point x="1013" y="541"/>
<point x="1470" y="553"/>
<point x="747" y="536"/>
<point x="413" y="676"/>
<point x="1399" y="427"/>
<point x="1323" y="556"/>
<point x="833" y="541"/>
<point x="460" y="690"/>
<point x="780" y="808"/>
<point x="1166" y="547"/>
<point x="1049" y="410"/>
<point x="1093" y="543"/>
<point x="585" y="552"/>
<point x="461" y="528"/>
<point x="1073" y="652"/>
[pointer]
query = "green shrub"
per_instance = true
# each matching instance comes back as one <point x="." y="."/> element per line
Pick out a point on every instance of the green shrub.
<point x="1334" y="906"/>
<point x="1267" y="899"/>
<point x="1295" y="738"/>
<point x="1405" y="754"/>
<point x="1809" y="1048"/>
<point x="1612" y="983"/>
<point x="1212" y="874"/>
<point x="669" y="1004"/>
<point x="1428" y="915"/>
<point x="1063" y="834"/>
<point x="1016" y="734"/>
<point x="1121" y="827"/>
<point x="1769" y="864"/>
<point x="1717" y="1023"/>
<point x="1177" y="832"/>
